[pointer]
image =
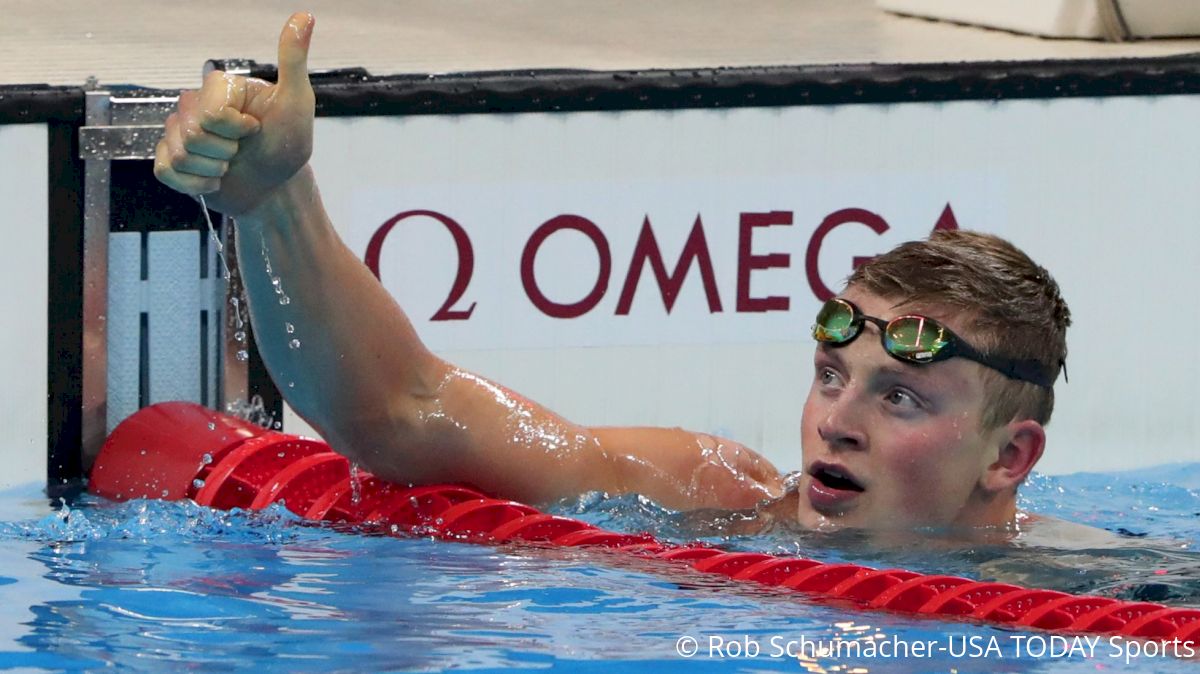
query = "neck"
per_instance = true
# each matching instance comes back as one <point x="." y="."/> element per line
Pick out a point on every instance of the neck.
<point x="988" y="510"/>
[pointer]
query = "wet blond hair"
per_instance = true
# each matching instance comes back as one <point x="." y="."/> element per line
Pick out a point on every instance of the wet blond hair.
<point x="1012" y="305"/>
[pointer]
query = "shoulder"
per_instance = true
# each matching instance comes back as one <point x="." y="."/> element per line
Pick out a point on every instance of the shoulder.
<point x="1036" y="530"/>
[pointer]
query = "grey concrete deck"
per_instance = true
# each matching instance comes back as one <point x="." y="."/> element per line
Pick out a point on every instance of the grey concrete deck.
<point x="163" y="44"/>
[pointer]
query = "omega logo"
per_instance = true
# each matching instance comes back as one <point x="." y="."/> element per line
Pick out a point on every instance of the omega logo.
<point x="646" y="251"/>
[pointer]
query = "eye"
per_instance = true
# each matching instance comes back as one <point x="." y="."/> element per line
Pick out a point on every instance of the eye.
<point x="827" y="377"/>
<point x="902" y="399"/>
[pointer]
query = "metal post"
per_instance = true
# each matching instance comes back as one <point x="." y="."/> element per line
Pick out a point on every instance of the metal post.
<point x="95" y="286"/>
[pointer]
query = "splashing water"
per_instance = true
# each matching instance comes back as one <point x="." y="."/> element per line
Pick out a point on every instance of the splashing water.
<point x="239" y="320"/>
<point x="276" y="283"/>
<point x="355" y="485"/>
<point x="94" y="519"/>
<point x="239" y="323"/>
<point x="212" y="233"/>
<point x="253" y="411"/>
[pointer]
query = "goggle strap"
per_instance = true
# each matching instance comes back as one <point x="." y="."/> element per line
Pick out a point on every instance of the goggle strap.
<point x="1023" y="370"/>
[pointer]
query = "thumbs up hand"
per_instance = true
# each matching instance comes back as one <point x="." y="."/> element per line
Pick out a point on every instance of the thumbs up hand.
<point x="237" y="139"/>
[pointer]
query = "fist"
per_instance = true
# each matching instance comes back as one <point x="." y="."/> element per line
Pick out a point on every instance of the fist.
<point x="237" y="139"/>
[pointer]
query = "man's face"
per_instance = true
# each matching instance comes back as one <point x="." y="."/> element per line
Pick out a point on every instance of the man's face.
<point x="889" y="444"/>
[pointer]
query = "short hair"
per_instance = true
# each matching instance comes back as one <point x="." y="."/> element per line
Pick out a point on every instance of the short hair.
<point x="1013" y="308"/>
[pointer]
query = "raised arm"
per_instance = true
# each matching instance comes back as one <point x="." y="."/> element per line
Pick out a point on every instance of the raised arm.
<point x="349" y="361"/>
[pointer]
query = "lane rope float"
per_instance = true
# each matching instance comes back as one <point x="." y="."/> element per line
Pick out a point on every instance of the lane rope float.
<point x="180" y="450"/>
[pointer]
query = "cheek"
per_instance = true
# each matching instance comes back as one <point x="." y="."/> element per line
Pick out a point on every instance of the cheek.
<point x="929" y="462"/>
<point x="909" y="454"/>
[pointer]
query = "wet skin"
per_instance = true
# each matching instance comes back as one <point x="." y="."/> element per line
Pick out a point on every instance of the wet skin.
<point x="908" y="436"/>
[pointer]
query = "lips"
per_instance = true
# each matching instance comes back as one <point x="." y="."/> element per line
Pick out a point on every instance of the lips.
<point x="833" y="488"/>
<point x="835" y="476"/>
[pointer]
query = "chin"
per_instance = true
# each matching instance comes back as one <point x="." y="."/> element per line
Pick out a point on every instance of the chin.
<point x="864" y="520"/>
<point x="810" y="518"/>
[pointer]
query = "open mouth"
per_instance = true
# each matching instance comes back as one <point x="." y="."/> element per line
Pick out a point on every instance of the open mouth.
<point x="834" y="478"/>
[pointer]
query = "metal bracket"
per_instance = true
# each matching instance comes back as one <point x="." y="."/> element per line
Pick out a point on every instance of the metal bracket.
<point x="118" y="142"/>
<point x="124" y="127"/>
<point x="117" y="128"/>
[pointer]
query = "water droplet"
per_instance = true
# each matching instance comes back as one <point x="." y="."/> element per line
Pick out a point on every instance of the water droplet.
<point x="355" y="486"/>
<point x="278" y="425"/>
<point x="282" y="454"/>
<point x="239" y="336"/>
<point x="289" y="327"/>
<point x="295" y="344"/>
<point x="243" y="356"/>
<point x="284" y="300"/>
<point x="198" y="483"/>
<point x="206" y="459"/>
<point x="212" y="426"/>
<point x="143" y="452"/>
<point x="165" y="492"/>
<point x="291" y="384"/>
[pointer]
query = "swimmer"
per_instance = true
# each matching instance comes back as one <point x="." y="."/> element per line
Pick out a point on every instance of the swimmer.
<point x="931" y="387"/>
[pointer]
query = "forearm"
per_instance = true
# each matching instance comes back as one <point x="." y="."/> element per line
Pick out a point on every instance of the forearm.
<point x="337" y="345"/>
<point x="348" y="360"/>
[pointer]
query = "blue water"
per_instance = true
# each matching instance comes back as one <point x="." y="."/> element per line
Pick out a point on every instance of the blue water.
<point x="150" y="586"/>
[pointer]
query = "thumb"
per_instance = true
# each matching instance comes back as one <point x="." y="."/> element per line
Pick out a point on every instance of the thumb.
<point x="293" y="51"/>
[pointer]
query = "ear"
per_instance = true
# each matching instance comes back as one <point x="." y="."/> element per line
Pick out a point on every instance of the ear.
<point x="1021" y="446"/>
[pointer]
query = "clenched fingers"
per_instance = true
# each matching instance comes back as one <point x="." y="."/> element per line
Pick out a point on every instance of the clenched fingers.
<point x="219" y="106"/>
<point x="190" y="152"/>
<point x="181" y="182"/>
<point x="196" y="129"/>
<point x="182" y="170"/>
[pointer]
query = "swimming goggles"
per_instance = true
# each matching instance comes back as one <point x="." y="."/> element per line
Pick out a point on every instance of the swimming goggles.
<point x="917" y="339"/>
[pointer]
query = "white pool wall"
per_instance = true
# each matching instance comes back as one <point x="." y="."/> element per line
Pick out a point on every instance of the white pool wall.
<point x="24" y="225"/>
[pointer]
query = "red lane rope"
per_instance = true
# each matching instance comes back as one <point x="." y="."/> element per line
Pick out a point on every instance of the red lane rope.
<point x="312" y="481"/>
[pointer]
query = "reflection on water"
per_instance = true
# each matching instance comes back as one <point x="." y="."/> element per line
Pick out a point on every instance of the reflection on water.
<point x="151" y="586"/>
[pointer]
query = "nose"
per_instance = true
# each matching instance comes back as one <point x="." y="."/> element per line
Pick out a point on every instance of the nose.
<point x="841" y="424"/>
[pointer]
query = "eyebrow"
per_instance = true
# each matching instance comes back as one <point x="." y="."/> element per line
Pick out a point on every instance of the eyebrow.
<point x="921" y="372"/>
<point x="896" y="369"/>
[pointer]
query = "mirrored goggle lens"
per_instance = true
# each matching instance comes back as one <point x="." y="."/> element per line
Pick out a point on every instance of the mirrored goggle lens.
<point x="915" y="338"/>
<point x="835" y="323"/>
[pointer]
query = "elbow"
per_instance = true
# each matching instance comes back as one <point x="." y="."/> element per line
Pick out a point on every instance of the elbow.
<point x="403" y="442"/>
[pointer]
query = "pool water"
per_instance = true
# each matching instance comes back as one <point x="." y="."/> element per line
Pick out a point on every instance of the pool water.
<point x="153" y="586"/>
